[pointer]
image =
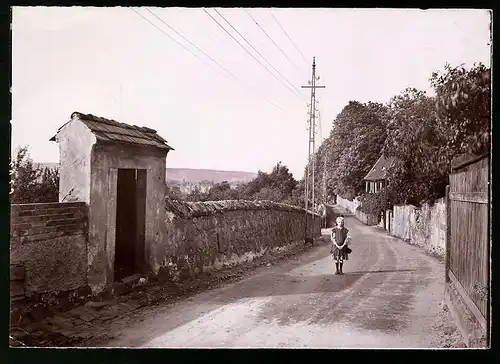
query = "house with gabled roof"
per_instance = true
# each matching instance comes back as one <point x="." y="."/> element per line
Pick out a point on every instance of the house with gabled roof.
<point x="119" y="171"/>
<point x="376" y="179"/>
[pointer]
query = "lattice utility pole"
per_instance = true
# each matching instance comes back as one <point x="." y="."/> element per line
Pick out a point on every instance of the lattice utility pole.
<point x="325" y="157"/>
<point x="312" y="133"/>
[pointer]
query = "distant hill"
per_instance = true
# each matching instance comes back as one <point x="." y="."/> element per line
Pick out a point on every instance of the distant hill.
<point x="199" y="175"/>
<point x="193" y="175"/>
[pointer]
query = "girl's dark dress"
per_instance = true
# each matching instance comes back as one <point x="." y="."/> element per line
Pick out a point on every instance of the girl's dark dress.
<point x="340" y="235"/>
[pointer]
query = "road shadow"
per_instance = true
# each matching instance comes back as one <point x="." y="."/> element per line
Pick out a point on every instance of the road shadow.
<point x="285" y="285"/>
<point x="383" y="271"/>
<point x="272" y="285"/>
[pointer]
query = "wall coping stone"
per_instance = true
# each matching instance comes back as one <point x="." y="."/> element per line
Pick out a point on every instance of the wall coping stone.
<point x="46" y="205"/>
<point x="195" y="209"/>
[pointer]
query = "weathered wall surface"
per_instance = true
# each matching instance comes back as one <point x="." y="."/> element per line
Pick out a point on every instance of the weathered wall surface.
<point x="425" y="226"/>
<point x="50" y="241"/>
<point x="367" y="219"/>
<point x="74" y="161"/>
<point x="106" y="160"/>
<point x="209" y="235"/>
<point x="351" y="206"/>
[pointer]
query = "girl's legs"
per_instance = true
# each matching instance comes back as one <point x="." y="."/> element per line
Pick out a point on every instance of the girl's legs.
<point x="340" y="264"/>
<point x="335" y="259"/>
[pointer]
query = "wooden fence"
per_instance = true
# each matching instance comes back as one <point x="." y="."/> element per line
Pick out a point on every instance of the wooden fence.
<point x="468" y="244"/>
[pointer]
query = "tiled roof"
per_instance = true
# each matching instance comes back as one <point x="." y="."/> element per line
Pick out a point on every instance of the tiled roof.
<point x="114" y="131"/>
<point x="379" y="169"/>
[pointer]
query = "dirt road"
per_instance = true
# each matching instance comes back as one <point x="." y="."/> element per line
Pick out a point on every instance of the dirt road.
<point x="389" y="297"/>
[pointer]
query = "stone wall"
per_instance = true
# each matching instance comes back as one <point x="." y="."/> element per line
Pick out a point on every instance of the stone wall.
<point x="351" y="206"/>
<point x="367" y="219"/>
<point x="424" y="226"/>
<point x="48" y="244"/>
<point x="206" y="236"/>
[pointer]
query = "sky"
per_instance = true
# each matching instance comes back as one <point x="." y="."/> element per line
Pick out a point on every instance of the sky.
<point x="113" y="63"/>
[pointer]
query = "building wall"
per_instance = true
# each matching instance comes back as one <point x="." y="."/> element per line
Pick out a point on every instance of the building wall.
<point x="49" y="241"/>
<point x="74" y="161"/>
<point x="367" y="219"/>
<point x="425" y="226"/>
<point x="106" y="160"/>
<point x="351" y="206"/>
<point x="210" y="235"/>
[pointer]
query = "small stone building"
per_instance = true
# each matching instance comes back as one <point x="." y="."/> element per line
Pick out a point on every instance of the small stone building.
<point x="376" y="178"/>
<point x="119" y="171"/>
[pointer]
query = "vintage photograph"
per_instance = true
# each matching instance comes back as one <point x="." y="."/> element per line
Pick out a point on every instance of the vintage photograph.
<point x="250" y="178"/>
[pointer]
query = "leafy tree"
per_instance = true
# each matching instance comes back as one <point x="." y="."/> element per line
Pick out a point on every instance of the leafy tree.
<point x="269" y="194"/>
<point x="222" y="191"/>
<point x="421" y="133"/>
<point x="196" y="195"/>
<point x="276" y="186"/>
<point x="174" y="192"/>
<point x="353" y="146"/>
<point x="255" y="185"/>
<point x="30" y="184"/>
<point x="282" y="180"/>
<point x="48" y="187"/>
<point x="414" y="141"/>
<point x="463" y="105"/>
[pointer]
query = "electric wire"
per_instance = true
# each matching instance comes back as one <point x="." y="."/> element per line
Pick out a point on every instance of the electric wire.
<point x="246" y="50"/>
<point x="208" y="64"/>
<point x="271" y="39"/>
<point x="264" y="58"/>
<point x="290" y="39"/>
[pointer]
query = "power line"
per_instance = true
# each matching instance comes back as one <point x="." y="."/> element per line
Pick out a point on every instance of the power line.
<point x="172" y="38"/>
<point x="290" y="39"/>
<point x="267" y="35"/>
<point x="246" y="50"/>
<point x="201" y="59"/>
<point x="236" y="30"/>
<point x="191" y="43"/>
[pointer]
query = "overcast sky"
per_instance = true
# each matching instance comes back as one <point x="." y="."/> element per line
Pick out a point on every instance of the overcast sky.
<point x="112" y="63"/>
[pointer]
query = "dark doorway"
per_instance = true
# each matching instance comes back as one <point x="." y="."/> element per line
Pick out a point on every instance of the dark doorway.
<point x="130" y="222"/>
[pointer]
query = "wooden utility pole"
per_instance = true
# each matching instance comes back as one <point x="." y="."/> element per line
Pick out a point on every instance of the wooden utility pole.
<point x="312" y="133"/>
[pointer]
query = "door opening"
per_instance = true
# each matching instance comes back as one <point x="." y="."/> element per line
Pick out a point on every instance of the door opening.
<point x="130" y="222"/>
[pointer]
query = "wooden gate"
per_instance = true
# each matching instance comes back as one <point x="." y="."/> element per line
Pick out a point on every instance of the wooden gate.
<point x="468" y="243"/>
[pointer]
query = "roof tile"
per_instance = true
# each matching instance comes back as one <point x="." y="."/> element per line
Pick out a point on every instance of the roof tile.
<point x="112" y="130"/>
<point x="379" y="169"/>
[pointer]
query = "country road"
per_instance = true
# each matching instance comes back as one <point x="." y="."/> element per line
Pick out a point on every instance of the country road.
<point x="389" y="297"/>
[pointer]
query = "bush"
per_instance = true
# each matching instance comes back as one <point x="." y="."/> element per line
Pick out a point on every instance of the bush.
<point x="374" y="203"/>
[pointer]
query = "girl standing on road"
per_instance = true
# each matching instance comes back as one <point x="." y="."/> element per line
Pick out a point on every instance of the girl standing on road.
<point x="340" y="251"/>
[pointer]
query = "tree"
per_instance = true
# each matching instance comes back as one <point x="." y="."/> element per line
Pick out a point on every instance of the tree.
<point x="282" y="180"/>
<point x="173" y="192"/>
<point x="269" y="194"/>
<point x="255" y="185"/>
<point x="196" y="195"/>
<point x="414" y="142"/>
<point x="353" y="146"/>
<point x="298" y="195"/>
<point x="29" y="184"/>
<point x="463" y="105"/>
<point x="222" y="191"/>
<point x="48" y="187"/>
